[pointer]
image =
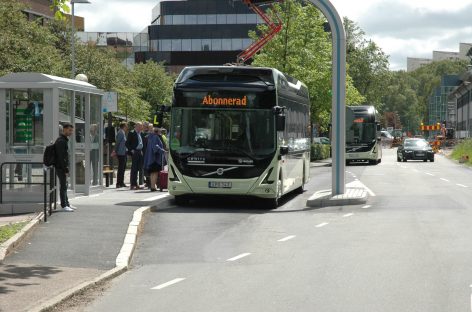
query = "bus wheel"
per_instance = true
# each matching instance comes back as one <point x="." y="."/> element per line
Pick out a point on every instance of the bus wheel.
<point x="181" y="200"/>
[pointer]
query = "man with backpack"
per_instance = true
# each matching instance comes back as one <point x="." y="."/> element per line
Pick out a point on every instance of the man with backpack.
<point x="61" y="147"/>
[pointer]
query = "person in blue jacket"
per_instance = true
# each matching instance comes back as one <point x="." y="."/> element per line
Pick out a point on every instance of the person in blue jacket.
<point x="154" y="160"/>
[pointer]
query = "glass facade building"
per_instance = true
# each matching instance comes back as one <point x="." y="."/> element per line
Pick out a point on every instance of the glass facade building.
<point x="438" y="109"/>
<point x="125" y="44"/>
<point x="198" y="32"/>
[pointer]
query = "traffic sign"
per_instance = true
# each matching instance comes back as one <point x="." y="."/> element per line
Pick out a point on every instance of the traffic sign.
<point x="110" y="102"/>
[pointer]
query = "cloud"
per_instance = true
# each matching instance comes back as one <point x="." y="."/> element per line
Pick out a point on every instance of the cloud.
<point x="403" y="21"/>
<point x="117" y="15"/>
<point x="401" y="28"/>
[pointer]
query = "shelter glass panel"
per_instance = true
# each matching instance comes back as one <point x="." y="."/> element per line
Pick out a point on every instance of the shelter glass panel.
<point x="79" y="136"/>
<point x="95" y="135"/>
<point x="25" y="123"/>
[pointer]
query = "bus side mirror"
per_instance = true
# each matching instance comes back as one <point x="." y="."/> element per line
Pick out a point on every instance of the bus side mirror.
<point x="283" y="150"/>
<point x="280" y="122"/>
<point x="378" y="127"/>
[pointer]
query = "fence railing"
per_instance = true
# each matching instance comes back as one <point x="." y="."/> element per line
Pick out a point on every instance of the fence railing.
<point x="48" y="183"/>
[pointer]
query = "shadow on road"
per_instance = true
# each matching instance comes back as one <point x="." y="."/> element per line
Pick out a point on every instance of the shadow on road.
<point x="222" y="204"/>
<point x="18" y="276"/>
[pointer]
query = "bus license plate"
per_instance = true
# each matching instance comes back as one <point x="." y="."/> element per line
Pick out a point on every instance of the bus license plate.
<point x="215" y="184"/>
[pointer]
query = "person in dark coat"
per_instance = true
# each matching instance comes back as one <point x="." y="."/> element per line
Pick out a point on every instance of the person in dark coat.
<point x="154" y="159"/>
<point x="61" y="147"/>
<point x="135" y="145"/>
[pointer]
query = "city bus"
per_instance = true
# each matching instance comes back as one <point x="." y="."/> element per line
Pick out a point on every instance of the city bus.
<point x="363" y="142"/>
<point x="240" y="131"/>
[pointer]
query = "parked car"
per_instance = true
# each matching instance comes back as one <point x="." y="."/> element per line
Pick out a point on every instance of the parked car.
<point x="322" y="140"/>
<point x="415" y="149"/>
<point x="386" y="138"/>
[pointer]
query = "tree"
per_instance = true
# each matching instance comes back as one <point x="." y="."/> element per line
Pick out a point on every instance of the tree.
<point x="303" y="50"/>
<point x="409" y="93"/>
<point x="26" y="46"/>
<point x="154" y="85"/>
<point x="368" y="64"/>
<point x="59" y="7"/>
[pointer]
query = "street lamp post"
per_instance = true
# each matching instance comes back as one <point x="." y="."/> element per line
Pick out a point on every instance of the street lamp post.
<point x="72" y="2"/>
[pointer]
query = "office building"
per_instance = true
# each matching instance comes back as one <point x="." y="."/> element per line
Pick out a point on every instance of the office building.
<point x="413" y="63"/>
<point x="198" y="32"/>
<point x="464" y="49"/>
<point x="461" y="100"/>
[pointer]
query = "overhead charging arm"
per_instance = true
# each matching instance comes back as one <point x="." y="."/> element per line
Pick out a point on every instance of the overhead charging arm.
<point x="275" y="26"/>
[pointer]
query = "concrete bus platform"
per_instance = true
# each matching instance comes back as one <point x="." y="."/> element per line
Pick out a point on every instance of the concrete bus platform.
<point x="352" y="196"/>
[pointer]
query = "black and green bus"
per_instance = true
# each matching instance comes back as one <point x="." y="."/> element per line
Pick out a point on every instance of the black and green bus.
<point x="238" y="131"/>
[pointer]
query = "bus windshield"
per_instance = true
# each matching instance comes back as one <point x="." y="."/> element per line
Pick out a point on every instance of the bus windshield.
<point x="232" y="132"/>
<point x="361" y="133"/>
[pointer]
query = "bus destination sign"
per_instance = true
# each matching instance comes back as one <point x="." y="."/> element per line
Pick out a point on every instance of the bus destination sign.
<point x="224" y="101"/>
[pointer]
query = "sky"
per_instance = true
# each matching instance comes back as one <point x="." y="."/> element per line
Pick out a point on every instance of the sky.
<point x="401" y="28"/>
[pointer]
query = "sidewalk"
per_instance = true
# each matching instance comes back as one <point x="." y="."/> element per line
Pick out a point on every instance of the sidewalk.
<point x="8" y="219"/>
<point x="73" y="247"/>
<point x="321" y="163"/>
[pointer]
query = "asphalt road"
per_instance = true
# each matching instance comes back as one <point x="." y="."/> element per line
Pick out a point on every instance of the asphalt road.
<point x="408" y="249"/>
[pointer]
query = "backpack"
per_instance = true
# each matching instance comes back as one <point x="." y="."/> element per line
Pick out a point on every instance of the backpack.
<point x="49" y="156"/>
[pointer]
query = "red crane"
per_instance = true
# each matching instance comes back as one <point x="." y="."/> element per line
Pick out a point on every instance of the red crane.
<point x="275" y="26"/>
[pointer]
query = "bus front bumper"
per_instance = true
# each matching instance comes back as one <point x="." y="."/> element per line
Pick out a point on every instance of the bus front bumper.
<point x="365" y="156"/>
<point x="243" y="187"/>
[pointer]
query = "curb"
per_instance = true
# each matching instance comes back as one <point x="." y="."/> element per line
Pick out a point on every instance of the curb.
<point x="52" y="303"/>
<point x="320" y="164"/>
<point x="14" y="242"/>
<point x="123" y="259"/>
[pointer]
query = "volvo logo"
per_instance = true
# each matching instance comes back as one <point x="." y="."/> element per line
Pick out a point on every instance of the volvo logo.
<point x="220" y="171"/>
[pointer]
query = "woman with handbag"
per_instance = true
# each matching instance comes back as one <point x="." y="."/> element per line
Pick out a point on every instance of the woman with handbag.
<point x="154" y="159"/>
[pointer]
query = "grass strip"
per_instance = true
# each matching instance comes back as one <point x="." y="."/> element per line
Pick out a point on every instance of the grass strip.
<point x="9" y="230"/>
<point x="463" y="152"/>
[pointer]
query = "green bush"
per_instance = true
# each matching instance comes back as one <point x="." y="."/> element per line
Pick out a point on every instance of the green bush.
<point x="463" y="149"/>
<point x="320" y="151"/>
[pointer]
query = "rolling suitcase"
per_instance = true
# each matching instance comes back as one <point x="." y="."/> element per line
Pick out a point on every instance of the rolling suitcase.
<point x="163" y="177"/>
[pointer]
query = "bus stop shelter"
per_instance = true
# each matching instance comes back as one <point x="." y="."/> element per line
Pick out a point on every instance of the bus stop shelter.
<point x="33" y="107"/>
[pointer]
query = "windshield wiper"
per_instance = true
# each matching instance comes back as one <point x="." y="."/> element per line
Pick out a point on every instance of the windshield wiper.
<point x="240" y="150"/>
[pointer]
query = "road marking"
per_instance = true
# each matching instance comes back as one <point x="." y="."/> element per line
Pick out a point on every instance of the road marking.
<point x="359" y="184"/>
<point x="154" y="198"/>
<point x="322" y="224"/>
<point x="403" y="167"/>
<point x="461" y="185"/>
<point x="348" y="215"/>
<point x="287" y="238"/>
<point x="172" y="282"/>
<point x="470" y="299"/>
<point x="366" y="207"/>
<point x="416" y="170"/>
<point x="239" y="257"/>
<point x="445" y="180"/>
<point x="430" y="174"/>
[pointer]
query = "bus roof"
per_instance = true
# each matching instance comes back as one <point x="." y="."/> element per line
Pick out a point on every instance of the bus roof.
<point x="269" y="76"/>
<point x="363" y="108"/>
